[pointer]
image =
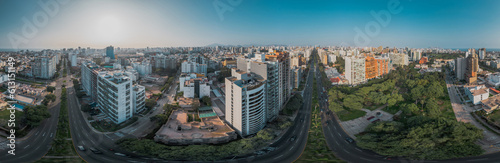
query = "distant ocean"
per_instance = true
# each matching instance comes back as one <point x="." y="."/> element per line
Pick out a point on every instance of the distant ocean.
<point x="488" y="50"/>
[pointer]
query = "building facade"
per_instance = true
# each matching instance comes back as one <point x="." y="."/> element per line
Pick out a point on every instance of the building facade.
<point x="355" y="70"/>
<point x="245" y="102"/>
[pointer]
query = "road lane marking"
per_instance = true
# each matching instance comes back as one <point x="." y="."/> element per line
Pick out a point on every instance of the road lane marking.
<point x="366" y="159"/>
<point x="43" y="134"/>
<point x="37" y="133"/>
<point x="358" y="149"/>
<point x="26" y="146"/>
<point x="478" y="159"/>
<point x="339" y="134"/>
<point x="347" y="151"/>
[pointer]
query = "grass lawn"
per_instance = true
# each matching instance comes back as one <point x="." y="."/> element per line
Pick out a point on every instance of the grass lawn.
<point x="494" y="117"/>
<point x="346" y="115"/>
<point x="5" y="116"/>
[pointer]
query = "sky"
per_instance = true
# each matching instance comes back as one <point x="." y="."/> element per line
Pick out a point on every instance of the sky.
<point x="172" y="23"/>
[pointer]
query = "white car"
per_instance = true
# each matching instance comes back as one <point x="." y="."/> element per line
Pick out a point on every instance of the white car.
<point x="81" y="148"/>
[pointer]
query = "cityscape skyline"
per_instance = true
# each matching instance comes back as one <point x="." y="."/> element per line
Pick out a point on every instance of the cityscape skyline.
<point x="461" y="24"/>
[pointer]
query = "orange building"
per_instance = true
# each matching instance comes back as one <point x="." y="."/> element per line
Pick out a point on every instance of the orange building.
<point x="383" y="66"/>
<point x="371" y="67"/>
<point x="423" y="60"/>
<point x="375" y="67"/>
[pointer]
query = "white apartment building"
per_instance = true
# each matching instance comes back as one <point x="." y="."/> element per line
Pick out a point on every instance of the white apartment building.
<point x="245" y="102"/>
<point x="117" y="97"/>
<point x="139" y="101"/>
<point x="355" y="70"/>
<point x="143" y="68"/>
<point x="89" y="78"/>
<point x="193" y="86"/>
<point x="74" y="61"/>
<point x="162" y="61"/>
<point x="193" y="67"/>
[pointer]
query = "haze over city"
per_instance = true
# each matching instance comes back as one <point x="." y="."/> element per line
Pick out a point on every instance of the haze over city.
<point x="133" y="24"/>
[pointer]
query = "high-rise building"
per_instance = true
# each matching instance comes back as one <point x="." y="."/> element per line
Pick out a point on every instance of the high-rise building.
<point x="371" y="68"/>
<point x="472" y="67"/>
<point x="296" y="75"/>
<point x="269" y="71"/>
<point x="284" y="75"/>
<point x="117" y="97"/>
<point x="89" y="79"/>
<point x="355" y="70"/>
<point x="245" y="102"/>
<point x="416" y="55"/>
<point x="482" y="53"/>
<point x="73" y="60"/>
<point x="44" y="67"/>
<point x="110" y="52"/>
<point x="460" y="68"/>
<point x="139" y="99"/>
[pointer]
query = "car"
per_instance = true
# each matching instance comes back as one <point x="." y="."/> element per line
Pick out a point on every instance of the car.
<point x="369" y="118"/>
<point x="81" y="148"/>
<point x="301" y="119"/>
<point x="95" y="151"/>
<point x="293" y="138"/>
<point x="327" y="122"/>
<point x="378" y="114"/>
<point x="121" y="154"/>
<point x="350" y="140"/>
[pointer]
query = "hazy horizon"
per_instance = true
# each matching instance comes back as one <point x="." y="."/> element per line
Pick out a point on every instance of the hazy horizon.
<point x="198" y="23"/>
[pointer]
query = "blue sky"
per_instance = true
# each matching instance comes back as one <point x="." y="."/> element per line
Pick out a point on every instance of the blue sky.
<point x="137" y="24"/>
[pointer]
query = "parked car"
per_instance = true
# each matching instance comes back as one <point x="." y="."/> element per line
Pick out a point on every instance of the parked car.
<point x="378" y="114"/>
<point x="350" y="140"/>
<point x="293" y="138"/>
<point x="81" y="148"/>
<point x="369" y="118"/>
<point x="95" y="151"/>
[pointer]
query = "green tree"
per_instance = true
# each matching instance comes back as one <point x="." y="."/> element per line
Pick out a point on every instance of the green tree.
<point x="51" y="89"/>
<point x="35" y="115"/>
<point x="206" y="100"/>
<point x="353" y="102"/>
<point x="150" y="103"/>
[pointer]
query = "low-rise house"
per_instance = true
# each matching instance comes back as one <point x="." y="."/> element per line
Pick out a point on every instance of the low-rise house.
<point x="477" y="93"/>
<point x="491" y="104"/>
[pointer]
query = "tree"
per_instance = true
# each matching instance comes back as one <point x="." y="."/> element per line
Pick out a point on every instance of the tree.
<point x="51" y="89"/>
<point x="417" y="92"/>
<point x="394" y="98"/>
<point x="411" y="108"/>
<point x="150" y="103"/>
<point x="195" y="105"/>
<point x="49" y="98"/>
<point x="353" y="102"/>
<point x="432" y="108"/>
<point x="35" y="115"/>
<point x="206" y="100"/>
